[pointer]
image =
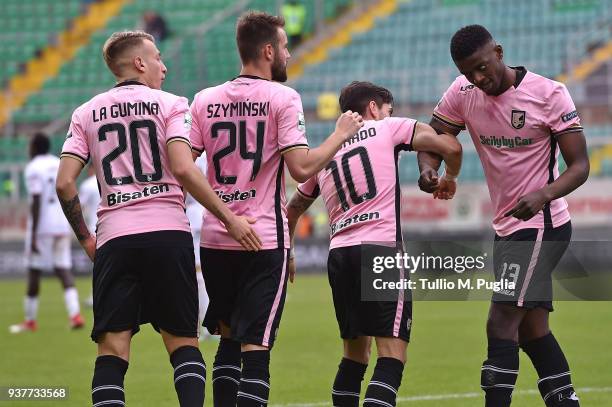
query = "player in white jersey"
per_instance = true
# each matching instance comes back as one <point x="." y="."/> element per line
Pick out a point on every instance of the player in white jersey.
<point x="194" y="212"/>
<point x="89" y="193"/>
<point x="47" y="236"/>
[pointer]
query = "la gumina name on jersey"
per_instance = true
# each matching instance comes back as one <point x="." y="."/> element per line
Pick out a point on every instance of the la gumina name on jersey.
<point x="125" y="109"/>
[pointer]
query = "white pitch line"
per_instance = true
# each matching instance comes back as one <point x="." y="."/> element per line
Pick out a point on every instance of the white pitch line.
<point x="427" y="397"/>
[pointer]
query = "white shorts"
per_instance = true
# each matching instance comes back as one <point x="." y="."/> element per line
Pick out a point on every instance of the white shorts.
<point x="53" y="252"/>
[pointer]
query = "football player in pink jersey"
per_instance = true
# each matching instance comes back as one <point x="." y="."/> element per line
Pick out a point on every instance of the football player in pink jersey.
<point x="251" y="127"/>
<point x="519" y="122"/>
<point x="361" y="190"/>
<point x="137" y="137"/>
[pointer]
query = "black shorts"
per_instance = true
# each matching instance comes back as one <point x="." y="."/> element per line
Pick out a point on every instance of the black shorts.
<point x="391" y="319"/>
<point x="527" y="258"/>
<point x="247" y="292"/>
<point x="146" y="277"/>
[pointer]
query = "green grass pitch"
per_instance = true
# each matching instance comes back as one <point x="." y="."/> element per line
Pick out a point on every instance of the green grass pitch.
<point x="444" y="357"/>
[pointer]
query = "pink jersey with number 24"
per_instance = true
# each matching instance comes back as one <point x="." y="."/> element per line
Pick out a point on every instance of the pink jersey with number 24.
<point x="245" y="126"/>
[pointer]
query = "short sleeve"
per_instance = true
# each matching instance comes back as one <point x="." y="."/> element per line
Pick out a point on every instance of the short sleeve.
<point x="76" y="145"/>
<point x="448" y="110"/>
<point x="402" y="131"/>
<point x="33" y="181"/>
<point x="178" y="122"/>
<point x="291" y="123"/>
<point x="195" y="134"/>
<point x="563" y="116"/>
<point x="309" y="189"/>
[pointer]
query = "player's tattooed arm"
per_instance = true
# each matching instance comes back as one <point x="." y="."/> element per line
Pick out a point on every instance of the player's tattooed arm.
<point x="429" y="162"/>
<point x="67" y="193"/>
<point x="574" y="151"/>
<point x="74" y="213"/>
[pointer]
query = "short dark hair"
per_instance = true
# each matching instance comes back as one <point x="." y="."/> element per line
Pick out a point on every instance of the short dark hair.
<point x="40" y="144"/>
<point x="255" y="29"/>
<point x="357" y="95"/>
<point x="118" y="44"/>
<point x="468" y="40"/>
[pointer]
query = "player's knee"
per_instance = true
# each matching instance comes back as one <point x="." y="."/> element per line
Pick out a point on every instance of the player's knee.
<point x="115" y="344"/>
<point x="504" y="321"/>
<point x="358" y="350"/>
<point x="65" y="277"/>
<point x="173" y="342"/>
<point x="391" y="348"/>
<point x="249" y="347"/>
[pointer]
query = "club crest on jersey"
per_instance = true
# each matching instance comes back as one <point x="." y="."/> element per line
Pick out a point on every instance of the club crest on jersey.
<point x="518" y="119"/>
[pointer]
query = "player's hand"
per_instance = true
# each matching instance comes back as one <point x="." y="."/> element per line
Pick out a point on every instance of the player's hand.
<point x="528" y="206"/>
<point x="428" y="181"/>
<point x="446" y="189"/>
<point x="291" y="268"/>
<point x="240" y="230"/>
<point x="89" y="245"/>
<point x="348" y="124"/>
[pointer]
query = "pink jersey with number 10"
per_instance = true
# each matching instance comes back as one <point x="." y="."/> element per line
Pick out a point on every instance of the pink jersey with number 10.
<point x="245" y="126"/>
<point x="360" y="185"/>
<point x="125" y="132"/>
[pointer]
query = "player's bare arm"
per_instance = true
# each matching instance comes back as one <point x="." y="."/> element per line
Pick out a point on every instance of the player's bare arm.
<point x="574" y="151"/>
<point x="296" y="208"/>
<point x="426" y="139"/>
<point x="429" y="162"/>
<point x="303" y="163"/>
<point x="67" y="193"/>
<point x="188" y="174"/>
<point x="35" y="212"/>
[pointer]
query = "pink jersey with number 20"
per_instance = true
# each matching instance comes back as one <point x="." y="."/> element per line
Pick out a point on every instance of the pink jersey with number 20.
<point x="125" y="132"/>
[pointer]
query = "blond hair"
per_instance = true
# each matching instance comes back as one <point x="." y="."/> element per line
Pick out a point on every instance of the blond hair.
<point x="117" y="44"/>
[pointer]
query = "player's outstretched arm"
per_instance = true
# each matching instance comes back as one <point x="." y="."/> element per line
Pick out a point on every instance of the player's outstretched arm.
<point x="190" y="176"/>
<point x="429" y="162"/>
<point x="65" y="186"/>
<point x="574" y="150"/>
<point x="426" y="139"/>
<point x="296" y="208"/>
<point x="303" y="163"/>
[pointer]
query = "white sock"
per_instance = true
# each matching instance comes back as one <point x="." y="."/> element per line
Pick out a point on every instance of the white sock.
<point x="30" y="306"/>
<point x="71" y="297"/>
<point x="202" y="299"/>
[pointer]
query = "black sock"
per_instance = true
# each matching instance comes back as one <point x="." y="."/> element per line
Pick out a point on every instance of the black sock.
<point x="499" y="372"/>
<point x="226" y="373"/>
<point x="347" y="385"/>
<point x="387" y="377"/>
<point x="189" y="376"/>
<point x="555" y="382"/>
<point x="107" y="383"/>
<point x="255" y="381"/>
